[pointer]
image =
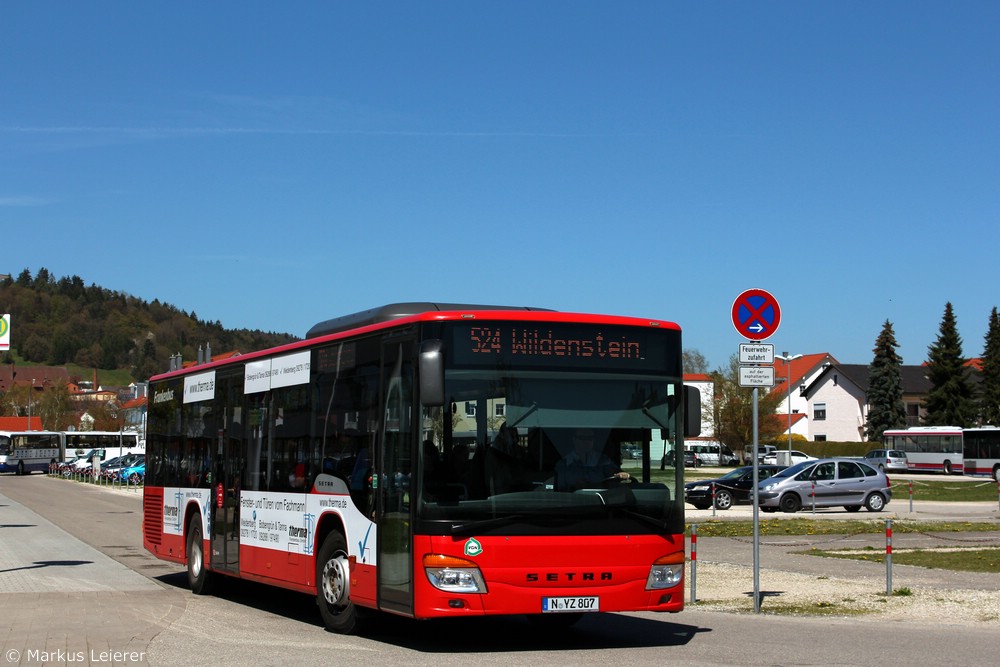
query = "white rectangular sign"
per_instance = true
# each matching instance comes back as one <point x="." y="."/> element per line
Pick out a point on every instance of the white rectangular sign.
<point x="756" y="376"/>
<point x="756" y="353"/>
<point x="200" y="387"/>
<point x="286" y="371"/>
<point x="289" y="370"/>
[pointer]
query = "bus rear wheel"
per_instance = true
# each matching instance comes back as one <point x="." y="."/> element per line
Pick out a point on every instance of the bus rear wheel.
<point x="201" y="581"/>
<point x="333" y="586"/>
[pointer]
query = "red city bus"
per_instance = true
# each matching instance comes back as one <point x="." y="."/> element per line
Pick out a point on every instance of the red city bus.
<point x="416" y="459"/>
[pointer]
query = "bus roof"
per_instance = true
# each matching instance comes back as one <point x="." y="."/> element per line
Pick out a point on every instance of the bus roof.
<point x="395" y="311"/>
<point x="914" y="430"/>
<point x="404" y="313"/>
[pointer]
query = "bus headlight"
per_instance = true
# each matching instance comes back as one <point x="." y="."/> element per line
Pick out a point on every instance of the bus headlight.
<point x="454" y="575"/>
<point x="666" y="572"/>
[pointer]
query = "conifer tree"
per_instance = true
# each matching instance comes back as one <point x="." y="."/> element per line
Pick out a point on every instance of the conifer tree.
<point x="885" y="387"/>
<point x="989" y="402"/>
<point x="949" y="402"/>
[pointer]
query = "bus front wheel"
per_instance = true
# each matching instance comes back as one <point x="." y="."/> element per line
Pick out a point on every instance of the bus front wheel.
<point x="333" y="587"/>
<point x="200" y="579"/>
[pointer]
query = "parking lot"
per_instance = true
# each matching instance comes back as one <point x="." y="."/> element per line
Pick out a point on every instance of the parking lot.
<point x="899" y="507"/>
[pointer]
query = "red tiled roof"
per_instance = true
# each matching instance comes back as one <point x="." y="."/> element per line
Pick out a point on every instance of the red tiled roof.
<point x="134" y="403"/>
<point x="800" y="369"/>
<point x="20" y="423"/>
<point x="215" y="357"/>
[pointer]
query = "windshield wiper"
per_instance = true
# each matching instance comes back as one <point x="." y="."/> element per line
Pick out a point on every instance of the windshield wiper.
<point x="475" y="526"/>
<point x="533" y="408"/>
<point x="645" y="411"/>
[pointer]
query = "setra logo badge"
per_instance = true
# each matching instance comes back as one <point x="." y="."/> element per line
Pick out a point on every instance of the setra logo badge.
<point x="473" y="547"/>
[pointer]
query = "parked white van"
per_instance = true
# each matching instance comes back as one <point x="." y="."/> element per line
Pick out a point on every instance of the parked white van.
<point x="712" y="453"/>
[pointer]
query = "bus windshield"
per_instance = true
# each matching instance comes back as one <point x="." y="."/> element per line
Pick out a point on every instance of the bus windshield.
<point x="527" y="451"/>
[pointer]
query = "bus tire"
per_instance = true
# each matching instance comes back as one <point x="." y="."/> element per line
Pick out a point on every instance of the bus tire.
<point x="947" y="467"/>
<point x="996" y="474"/>
<point x="333" y="586"/>
<point x="200" y="579"/>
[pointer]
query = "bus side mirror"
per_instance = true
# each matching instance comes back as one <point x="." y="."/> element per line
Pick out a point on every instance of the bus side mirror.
<point x="431" y="368"/>
<point x="692" y="412"/>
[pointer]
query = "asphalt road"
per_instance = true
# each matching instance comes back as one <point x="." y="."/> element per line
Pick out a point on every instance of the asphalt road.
<point x="74" y="577"/>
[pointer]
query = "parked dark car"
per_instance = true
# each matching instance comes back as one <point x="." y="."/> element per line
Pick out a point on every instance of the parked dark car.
<point x="733" y="488"/>
<point x="692" y="460"/>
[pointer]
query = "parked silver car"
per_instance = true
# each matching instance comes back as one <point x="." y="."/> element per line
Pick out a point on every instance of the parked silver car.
<point x="887" y="459"/>
<point x="846" y="483"/>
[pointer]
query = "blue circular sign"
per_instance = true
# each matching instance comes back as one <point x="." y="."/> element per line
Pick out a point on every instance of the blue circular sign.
<point x="756" y="314"/>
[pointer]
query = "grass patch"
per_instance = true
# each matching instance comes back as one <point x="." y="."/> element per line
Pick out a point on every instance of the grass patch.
<point x="774" y="527"/>
<point x="958" y="559"/>
<point x="772" y="607"/>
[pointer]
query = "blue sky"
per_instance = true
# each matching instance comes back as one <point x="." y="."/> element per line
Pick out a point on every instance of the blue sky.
<point x="272" y="165"/>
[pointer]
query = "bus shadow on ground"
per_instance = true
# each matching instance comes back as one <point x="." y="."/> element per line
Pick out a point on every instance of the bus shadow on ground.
<point x="466" y="635"/>
<point x="509" y="634"/>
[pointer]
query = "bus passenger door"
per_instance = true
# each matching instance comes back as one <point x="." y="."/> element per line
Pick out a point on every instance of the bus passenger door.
<point x="394" y="472"/>
<point x="226" y="499"/>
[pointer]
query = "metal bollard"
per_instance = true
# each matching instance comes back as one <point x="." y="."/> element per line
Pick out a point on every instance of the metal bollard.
<point x="694" y="563"/>
<point x="888" y="556"/>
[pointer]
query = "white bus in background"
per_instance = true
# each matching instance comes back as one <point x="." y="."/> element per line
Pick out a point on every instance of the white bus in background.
<point x="982" y="451"/>
<point x="23" y="452"/>
<point x="82" y="446"/>
<point x="929" y="448"/>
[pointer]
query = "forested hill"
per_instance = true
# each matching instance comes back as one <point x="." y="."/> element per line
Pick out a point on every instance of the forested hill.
<point x="62" y="321"/>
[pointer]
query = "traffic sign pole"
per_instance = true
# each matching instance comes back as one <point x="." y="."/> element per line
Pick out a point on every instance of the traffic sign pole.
<point x="756" y="315"/>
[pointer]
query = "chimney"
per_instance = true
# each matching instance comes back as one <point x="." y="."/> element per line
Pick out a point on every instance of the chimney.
<point x="208" y="353"/>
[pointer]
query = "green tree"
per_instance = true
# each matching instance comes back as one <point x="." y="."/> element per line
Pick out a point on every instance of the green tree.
<point x="694" y="361"/>
<point x="55" y="407"/>
<point x="886" y="409"/>
<point x="989" y="400"/>
<point x="732" y="411"/>
<point x="950" y="401"/>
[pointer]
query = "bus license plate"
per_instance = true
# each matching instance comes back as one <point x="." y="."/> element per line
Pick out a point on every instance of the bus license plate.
<point x="585" y="603"/>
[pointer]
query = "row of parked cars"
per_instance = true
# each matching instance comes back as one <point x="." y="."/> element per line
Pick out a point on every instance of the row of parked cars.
<point x="835" y="482"/>
<point x="127" y="468"/>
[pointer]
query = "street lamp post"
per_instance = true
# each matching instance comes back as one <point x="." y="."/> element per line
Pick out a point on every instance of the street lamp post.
<point x="788" y="362"/>
<point x="31" y="396"/>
